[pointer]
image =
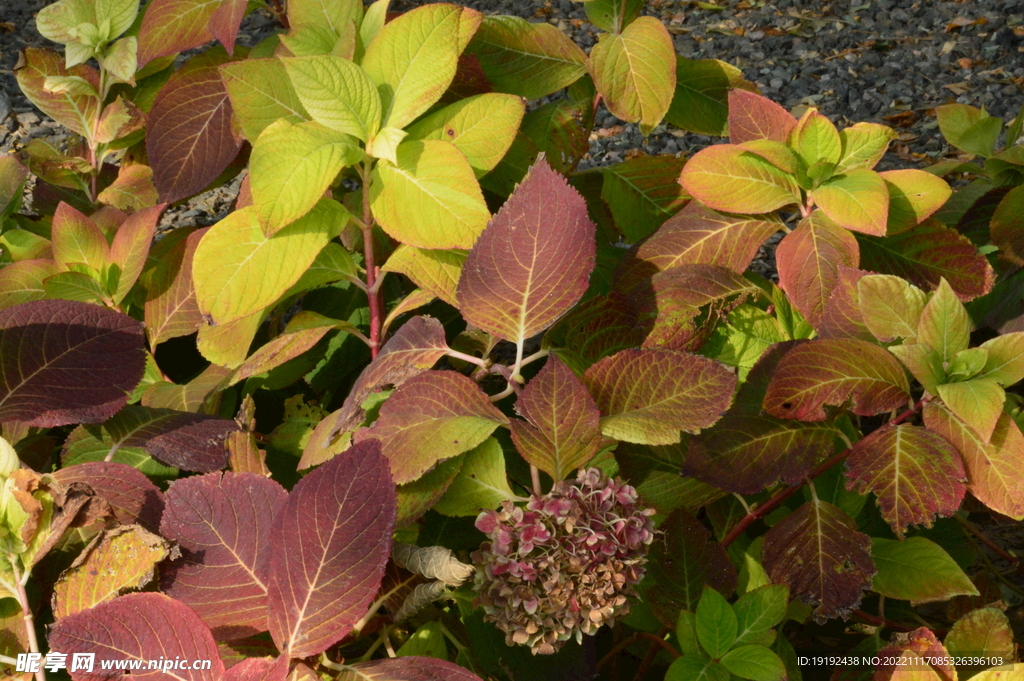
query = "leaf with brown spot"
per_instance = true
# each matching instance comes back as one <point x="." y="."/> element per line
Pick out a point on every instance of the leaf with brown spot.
<point x="131" y="495"/>
<point x="116" y="561"/>
<point x="819" y="553"/>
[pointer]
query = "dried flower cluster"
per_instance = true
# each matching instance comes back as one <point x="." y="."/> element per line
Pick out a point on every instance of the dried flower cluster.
<point x="566" y="564"/>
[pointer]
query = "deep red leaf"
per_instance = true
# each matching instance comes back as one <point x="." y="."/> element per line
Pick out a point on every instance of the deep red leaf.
<point x="171" y="309"/>
<point x="746" y="454"/>
<point x="754" y="117"/>
<point x="222" y="522"/>
<point x="139" y="626"/>
<point x="193" y="442"/>
<point x="597" y="327"/>
<point x="822" y="372"/>
<point x="189" y="136"/>
<point x="259" y="669"/>
<point x="414" y="348"/>
<point x="915" y="474"/>
<point x="697" y="235"/>
<point x="224" y="22"/>
<point x="64" y="362"/>
<point x="682" y="563"/>
<point x="331" y="542"/>
<point x="532" y="262"/>
<point x="411" y="668"/>
<point x="131" y="495"/>
<point x="927" y="253"/>
<point x="171" y="26"/>
<point x="819" y="553"/>
<point x="809" y="259"/>
<point x="562" y="430"/>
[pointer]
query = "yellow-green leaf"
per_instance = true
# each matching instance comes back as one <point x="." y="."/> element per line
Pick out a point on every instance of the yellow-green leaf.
<point x="430" y="198"/>
<point x="944" y="324"/>
<point x="333" y="13"/>
<point x="863" y="145"/>
<point x="978" y="403"/>
<point x="729" y="178"/>
<point x="336" y="93"/>
<point x="917" y="570"/>
<point x="815" y="139"/>
<point x="238" y="270"/>
<point x="435" y="270"/>
<point x="1005" y="363"/>
<point x="635" y="71"/>
<point x="260" y="93"/>
<point x="480" y="484"/>
<point x="913" y="196"/>
<point x="291" y="166"/>
<point x="857" y="200"/>
<point x="890" y="306"/>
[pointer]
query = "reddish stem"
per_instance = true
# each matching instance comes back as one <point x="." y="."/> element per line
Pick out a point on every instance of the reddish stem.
<point x="372" y="294"/>
<point x="783" y="494"/>
<point x="999" y="550"/>
<point x="881" y="621"/>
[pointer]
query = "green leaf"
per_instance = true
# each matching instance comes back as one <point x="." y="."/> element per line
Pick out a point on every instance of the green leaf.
<point x="413" y="59"/>
<point x="944" y="324"/>
<point x="716" y="623"/>
<point x="261" y="93"/>
<point x="864" y="145"/>
<point x="642" y="193"/>
<point x="238" y="271"/>
<point x="430" y="198"/>
<point x="373" y="21"/>
<point x="336" y="93"/>
<point x="78" y="112"/>
<point x="754" y="662"/>
<point x="1005" y="360"/>
<point x="694" y="668"/>
<point x="701" y="100"/>
<point x="648" y="395"/>
<point x="635" y="71"/>
<point x="985" y="631"/>
<point x="333" y="13"/>
<point x="1007" y="226"/>
<point x="431" y="417"/>
<point x="427" y="641"/>
<point x="686" y="632"/>
<point x="981" y="137"/>
<point x="978" y="403"/>
<point x="914" y="473"/>
<point x="526" y="59"/>
<point x="857" y="200"/>
<point x="815" y="139"/>
<point x="776" y="153"/>
<point x="75" y="286"/>
<point x="23" y="282"/>
<point x="612" y="15"/>
<point x="290" y="168"/>
<point x="62" y="22"/>
<point x="307" y="40"/>
<point x="890" y="306"/>
<point x="483" y="127"/>
<point x="967" y="364"/>
<point x="917" y="570"/>
<point x="434" y="270"/>
<point x="758" y="610"/>
<point x="729" y="178"/>
<point x="480" y="484"/>
<point x="914" y="195"/>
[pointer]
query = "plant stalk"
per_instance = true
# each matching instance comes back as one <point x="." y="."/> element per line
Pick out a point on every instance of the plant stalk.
<point x="372" y="294"/>
<point x="26" y="614"/>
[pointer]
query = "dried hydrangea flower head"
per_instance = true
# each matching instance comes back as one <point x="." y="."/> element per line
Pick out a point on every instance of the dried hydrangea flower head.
<point x="566" y="564"/>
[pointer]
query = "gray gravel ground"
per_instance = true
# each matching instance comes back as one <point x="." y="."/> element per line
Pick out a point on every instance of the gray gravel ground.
<point x="887" y="61"/>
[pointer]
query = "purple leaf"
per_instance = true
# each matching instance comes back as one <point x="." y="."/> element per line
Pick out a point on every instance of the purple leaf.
<point x="64" y="362"/>
<point x="223" y="523"/>
<point x="131" y="495"/>
<point x="331" y="542"/>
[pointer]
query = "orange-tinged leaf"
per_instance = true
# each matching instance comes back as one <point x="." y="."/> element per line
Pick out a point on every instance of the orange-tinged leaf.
<point x="77" y="239"/>
<point x="22" y="282"/>
<point x="697" y="234"/>
<point x="225" y="20"/>
<point x="140" y="626"/>
<point x="119" y="559"/>
<point x="978" y="403"/>
<point x="819" y="553"/>
<point x="66" y="362"/>
<point x="993" y="468"/>
<point x="189" y="135"/>
<point x="842" y="317"/>
<point x="857" y="200"/>
<point x="635" y="71"/>
<point x="597" y="327"/>
<point x="78" y="112"/>
<point x="821" y="372"/>
<point x="532" y="262"/>
<point x="927" y="253"/>
<point x="920" y="657"/>
<point x="130" y="247"/>
<point x="914" y="195"/>
<point x="808" y="261"/>
<point x="171" y="309"/>
<point x="649" y="395"/>
<point x="132" y="190"/>
<point x="223" y="524"/>
<point x="747" y="453"/>
<point x="755" y="117"/>
<point x="332" y="540"/>
<point x="729" y="178"/>
<point x="985" y="631"/>
<point x="915" y="474"/>
<point x="562" y="430"/>
<point x="414" y="348"/>
<point x="431" y="417"/>
<point x="171" y="26"/>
